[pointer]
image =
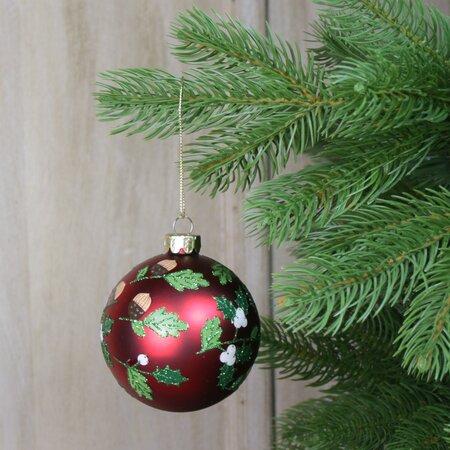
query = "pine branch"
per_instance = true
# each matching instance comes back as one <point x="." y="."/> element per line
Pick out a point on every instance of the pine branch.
<point x="228" y="45"/>
<point x="330" y="291"/>
<point x="447" y="432"/>
<point x="257" y="100"/>
<point x="424" y="338"/>
<point x="289" y="207"/>
<point x="353" y="28"/>
<point x="237" y="155"/>
<point x="432" y="173"/>
<point x="357" y="420"/>
<point x="424" y="429"/>
<point x="394" y="216"/>
<point x="360" y="357"/>
<point x="383" y="95"/>
<point x="150" y="99"/>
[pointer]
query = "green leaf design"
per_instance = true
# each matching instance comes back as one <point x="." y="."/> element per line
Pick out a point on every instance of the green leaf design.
<point x="226" y="307"/>
<point x="186" y="279"/>
<point x="165" y="323"/>
<point x="141" y="274"/>
<point x="138" y="327"/>
<point x="210" y="334"/>
<point x="224" y="274"/>
<point x="244" y="353"/>
<point x="236" y="383"/>
<point x="107" y="324"/>
<point x="226" y="376"/>
<point x="242" y="299"/>
<point x="106" y="354"/>
<point x="139" y="383"/>
<point x="254" y="335"/>
<point x="169" y="376"/>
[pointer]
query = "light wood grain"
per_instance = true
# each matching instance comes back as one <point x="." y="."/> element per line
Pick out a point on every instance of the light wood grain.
<point x="16" y="426"/>
<point x="82" y="209"/>
<point x="79" y="208"/>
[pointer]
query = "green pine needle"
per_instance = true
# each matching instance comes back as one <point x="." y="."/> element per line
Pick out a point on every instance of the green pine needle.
<point x="377" y="261"/>
<point x="424" y="338"/>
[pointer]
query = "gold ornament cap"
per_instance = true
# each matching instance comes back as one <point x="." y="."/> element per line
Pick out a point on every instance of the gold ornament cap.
<point x="182" y="243"/>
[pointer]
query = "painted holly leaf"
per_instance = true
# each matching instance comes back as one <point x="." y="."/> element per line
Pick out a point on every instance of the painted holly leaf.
<point x="210" y="335"/>
<point x="138" y="327"/>
<point x="169" y="376"/>
<point x="141" y="274"/>
<point x="106" y="354"/>
<point x="107" y="324"/>
<point x="244" y="353"/>
<point x="226" y="307"/>
<point x="226" y="376"/>
<point x="165" y="323"/>
<point x="138" y="382"/>
<point x="224" y="274"/>
<point x="255" y="333"/>
<point x="186" y="279"/>
<point x="236" y="383"/>
<point x="242" y="299"/>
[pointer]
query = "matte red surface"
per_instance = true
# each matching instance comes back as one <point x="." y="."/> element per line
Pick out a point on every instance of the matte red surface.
<point x="193" y="307"/>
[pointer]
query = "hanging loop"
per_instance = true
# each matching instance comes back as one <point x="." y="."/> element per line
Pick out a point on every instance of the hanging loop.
<point x="178" y="219"/>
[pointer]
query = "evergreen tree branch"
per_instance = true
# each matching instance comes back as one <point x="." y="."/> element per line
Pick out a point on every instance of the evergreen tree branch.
<point x="352" y="28"/>
<point x="399" y="18"/>
<point x="360" y="357"/>
<point x="149" y="98"/>
<point x="424" y="338"/>
<point x="251" y="117"/>
<point x="329" y="292"/>
<point x="382" y="95"/>
<point x="424" y="429"/>
<point x="387" y="216"/>
<point x="228" y="45"/>
<point x="289" y="207"/>
<point x="281" y="108"/>
<point x="237" y="155"/>
<point x="358" y="420"/>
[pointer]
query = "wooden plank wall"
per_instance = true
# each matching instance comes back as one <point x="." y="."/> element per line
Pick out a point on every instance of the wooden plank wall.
<point x="78" y="208"/>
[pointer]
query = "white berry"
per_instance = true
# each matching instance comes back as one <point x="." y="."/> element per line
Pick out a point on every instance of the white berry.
<point x="142" y="359"/>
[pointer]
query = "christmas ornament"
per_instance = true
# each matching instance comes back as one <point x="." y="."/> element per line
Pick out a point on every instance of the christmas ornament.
<point x="180" y="331"/>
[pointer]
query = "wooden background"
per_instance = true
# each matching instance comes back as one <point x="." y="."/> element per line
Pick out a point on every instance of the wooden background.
<point x="79" y="208"/>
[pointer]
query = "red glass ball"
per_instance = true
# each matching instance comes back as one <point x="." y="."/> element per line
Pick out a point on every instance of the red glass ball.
<point x="180" y="332"/>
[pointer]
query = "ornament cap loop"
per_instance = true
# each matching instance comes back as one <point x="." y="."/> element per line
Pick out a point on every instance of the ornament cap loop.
<point x="182" y="243"/>
<point x="183" y="216"/>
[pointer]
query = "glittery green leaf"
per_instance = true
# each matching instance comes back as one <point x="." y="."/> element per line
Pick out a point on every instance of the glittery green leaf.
<point x="244" y="353"/>
<point x="141" y="274"/>
<point x="224" y="274"/>
<point x="210" y="335"/>
<point x="226" y="307"/>
<point x="242" y="299"/>
<point x="138" y="327"/>
<point x="236" y="383"/>
<point x="169" y="376"/>
<point x="106" y="354"/>
<point x="186" y="279"/>
<point x="226" y="376"/>
<point x="138" y="382"/>
<point x="165" y="323"/>
<point x="107" y="324"/>
<point x="254" y="335"/>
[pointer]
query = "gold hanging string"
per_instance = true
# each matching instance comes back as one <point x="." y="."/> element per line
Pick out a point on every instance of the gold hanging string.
<point x="182" y="203"/>
<point x="182" y="213"/>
